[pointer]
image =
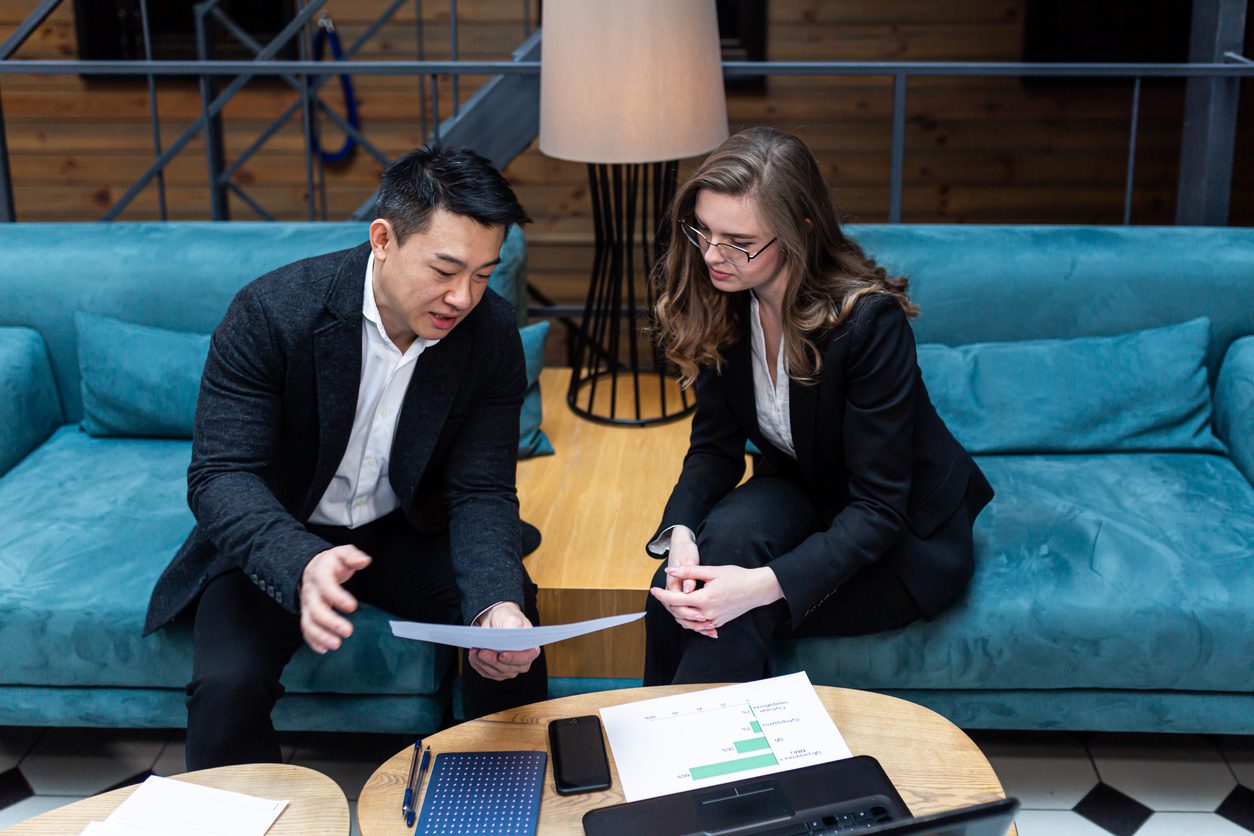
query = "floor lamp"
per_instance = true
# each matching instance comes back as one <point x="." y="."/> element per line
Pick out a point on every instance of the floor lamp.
<point x="629" y="88"/>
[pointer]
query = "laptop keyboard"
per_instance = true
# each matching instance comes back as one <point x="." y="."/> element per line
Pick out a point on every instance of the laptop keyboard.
<point x="850" y="821"/>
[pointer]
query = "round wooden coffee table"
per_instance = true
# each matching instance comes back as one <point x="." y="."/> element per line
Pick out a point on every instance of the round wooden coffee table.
<point x="317" y="806"/>
<point x="933" y="764"/>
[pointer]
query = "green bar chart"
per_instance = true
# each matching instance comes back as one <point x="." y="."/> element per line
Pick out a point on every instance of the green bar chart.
<point x="709" y="737"/>
<point x="715" y="770"/>
<point x="752" y="745"/>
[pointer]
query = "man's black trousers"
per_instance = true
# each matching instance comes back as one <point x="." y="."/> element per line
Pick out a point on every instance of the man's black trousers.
<point x="243" y="640"/>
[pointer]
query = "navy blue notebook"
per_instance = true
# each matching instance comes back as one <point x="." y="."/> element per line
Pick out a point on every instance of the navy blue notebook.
<point x="483" y="792"/>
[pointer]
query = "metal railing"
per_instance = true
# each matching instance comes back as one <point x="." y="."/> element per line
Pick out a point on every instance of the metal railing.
<point x="296" y="74"/>
<point x="1228" y="71"/>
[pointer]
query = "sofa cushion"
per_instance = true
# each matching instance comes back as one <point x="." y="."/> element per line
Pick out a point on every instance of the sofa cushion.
<point x="1092" y="571"/>
<point x="531" y="439"/>
<point x="86" y="526"/>
<point x="29" y="408"/>
<point x="143" y="381"/>
<point x="1234" y="404"/>
<point x="1146" y="390"/>
<point x="138" y="380"/>
<point x="509" y="278"/>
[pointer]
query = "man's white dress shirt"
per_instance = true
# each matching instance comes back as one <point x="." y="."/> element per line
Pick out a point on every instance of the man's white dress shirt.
<point x="359" y="491"/>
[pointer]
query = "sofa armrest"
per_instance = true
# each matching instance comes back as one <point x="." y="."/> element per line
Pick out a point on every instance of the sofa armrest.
<point x="1234" y="404"/>
<point x="29" y="406"/>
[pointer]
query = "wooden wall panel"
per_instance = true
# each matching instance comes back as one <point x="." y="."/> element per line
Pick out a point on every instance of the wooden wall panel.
<point x="977" y="149"/>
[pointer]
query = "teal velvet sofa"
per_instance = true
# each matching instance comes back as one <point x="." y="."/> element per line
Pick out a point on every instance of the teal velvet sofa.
<point x="1114" y="580"/>
<point x="1114" y="586"/>
<point x="88" y="521"/>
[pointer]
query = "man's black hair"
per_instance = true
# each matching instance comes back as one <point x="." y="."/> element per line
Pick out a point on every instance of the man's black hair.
<point x="456" y="180"/>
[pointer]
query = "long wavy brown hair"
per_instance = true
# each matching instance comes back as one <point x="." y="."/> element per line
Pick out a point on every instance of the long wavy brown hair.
<point x="826" y="271"/>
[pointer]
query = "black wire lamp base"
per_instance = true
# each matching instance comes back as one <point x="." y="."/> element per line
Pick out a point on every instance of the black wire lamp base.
<point x="619" y="375"/>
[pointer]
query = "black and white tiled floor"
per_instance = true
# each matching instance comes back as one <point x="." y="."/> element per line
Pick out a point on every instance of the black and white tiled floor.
<point x="1069" y="784"/>
<point x="1150" y="785"/>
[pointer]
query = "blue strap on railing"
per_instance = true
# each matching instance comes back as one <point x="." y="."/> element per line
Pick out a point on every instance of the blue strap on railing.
<point x="326" y="34"/>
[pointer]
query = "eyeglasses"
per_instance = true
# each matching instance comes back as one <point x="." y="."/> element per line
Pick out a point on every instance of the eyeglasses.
<point x="731" y="252"/>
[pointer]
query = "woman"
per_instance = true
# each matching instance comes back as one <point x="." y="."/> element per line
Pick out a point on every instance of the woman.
<point x="858" y="515"/>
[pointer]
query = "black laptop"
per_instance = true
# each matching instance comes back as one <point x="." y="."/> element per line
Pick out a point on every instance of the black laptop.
<point x="852" y="795"/>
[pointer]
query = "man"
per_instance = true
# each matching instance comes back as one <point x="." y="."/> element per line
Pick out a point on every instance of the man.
<point x="356" y="440"/>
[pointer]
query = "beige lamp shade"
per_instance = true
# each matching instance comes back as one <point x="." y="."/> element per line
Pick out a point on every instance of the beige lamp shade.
<point x="630" y="81"/>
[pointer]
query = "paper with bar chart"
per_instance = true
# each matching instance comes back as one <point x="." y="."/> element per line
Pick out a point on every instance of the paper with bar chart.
<point x="710" y="737"/>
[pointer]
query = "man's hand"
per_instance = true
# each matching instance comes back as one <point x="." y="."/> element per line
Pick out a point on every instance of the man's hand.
<point x="322" y="593"/>
<point x="509" y="663"/>
<point x="729" y="592"/>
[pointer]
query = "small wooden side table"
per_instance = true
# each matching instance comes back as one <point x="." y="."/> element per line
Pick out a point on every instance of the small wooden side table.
<point x="317" y="806"/>
<point x="933" y="764"/>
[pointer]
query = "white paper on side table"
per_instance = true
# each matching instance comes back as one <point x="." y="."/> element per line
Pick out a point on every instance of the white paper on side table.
<point x="181" y="808"/>
<point x="719" y="735"/>
<point x="504" y="638"/>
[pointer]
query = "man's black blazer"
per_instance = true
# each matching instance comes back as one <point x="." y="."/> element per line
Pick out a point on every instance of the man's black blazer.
<point x="882" y="468"/>
<point x="275" y="411"/>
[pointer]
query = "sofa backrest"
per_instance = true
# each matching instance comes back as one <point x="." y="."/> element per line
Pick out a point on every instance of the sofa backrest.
<point x="180" y="276"/>
<point x="973" y="283"/>
<point x="1005" y="283"/>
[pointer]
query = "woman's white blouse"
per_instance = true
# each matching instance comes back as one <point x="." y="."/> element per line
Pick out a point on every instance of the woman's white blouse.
<point x="771" y="399"/>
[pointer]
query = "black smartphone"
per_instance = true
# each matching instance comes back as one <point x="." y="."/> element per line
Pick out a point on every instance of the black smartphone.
<point x="579" y="763"/>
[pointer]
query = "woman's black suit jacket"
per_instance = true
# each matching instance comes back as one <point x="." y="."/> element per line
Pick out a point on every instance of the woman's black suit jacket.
<point x="882" y="468"/>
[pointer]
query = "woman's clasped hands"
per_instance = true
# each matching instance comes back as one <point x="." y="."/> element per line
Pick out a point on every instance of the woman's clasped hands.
<point x="727" y="592"/>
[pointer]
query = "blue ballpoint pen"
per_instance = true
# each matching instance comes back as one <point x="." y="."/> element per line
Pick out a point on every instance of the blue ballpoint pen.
<point x="422" y="770"/>
<point x="407" y="805"/>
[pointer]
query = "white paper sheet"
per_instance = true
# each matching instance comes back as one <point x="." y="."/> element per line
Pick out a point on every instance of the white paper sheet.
<point x="501" y="638"/>
<point x="711" y="737"/>
<point x="178" y="808"/>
